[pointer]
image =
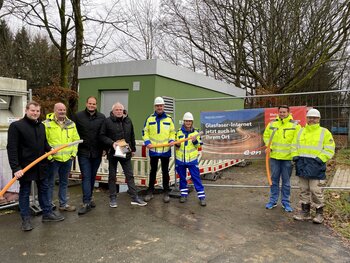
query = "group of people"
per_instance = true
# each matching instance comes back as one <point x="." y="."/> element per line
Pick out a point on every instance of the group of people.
<point x="29" y="138"/>
<point x="309" y="147"/>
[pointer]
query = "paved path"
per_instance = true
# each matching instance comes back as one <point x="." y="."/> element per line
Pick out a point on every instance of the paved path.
<point x="234" y="227"/>
<point x="341" y="179"/>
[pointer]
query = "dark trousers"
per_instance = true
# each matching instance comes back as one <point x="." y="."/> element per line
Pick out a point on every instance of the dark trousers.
<point x="88" y="167"/>
<point x="165" y="172"/>
<point x="25" y="188"/>
<point x="129" y="175"/>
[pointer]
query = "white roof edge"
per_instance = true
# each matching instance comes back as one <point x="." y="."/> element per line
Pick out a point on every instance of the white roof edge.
<point x="161" y="68"/>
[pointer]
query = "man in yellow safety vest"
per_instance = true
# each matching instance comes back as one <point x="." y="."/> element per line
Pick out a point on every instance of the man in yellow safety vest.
<point x="312" y="147"/>
<point x="61" y="130"/>
<point x="281" y="132"/>
<point x="159" y="129"/>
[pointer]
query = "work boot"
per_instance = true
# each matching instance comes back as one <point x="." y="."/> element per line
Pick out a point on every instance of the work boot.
<point x="113" y="202"/>
<point x="202" y="202"/>
<point x="26" y="224"/>
<point x="148" y="197"/>
<point x="166" y="198"/>
<point x="52" y="218"/>
<point x="84" y="209"/>
<point x="183" y="199"/>
<point x="304" y="214"/>
<point x="318" y="219"/>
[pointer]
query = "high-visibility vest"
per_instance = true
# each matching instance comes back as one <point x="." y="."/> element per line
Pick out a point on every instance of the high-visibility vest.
<point x="159" y="130"/>
<point x="314" y="141"/>
<point x="187" y="153"/>
<point x="281" y="132"/>
<point x="57" y="136"/>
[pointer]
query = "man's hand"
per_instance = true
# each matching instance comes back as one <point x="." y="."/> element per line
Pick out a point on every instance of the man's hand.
<point x="19" y="174"/>
<point x="194" y="138"/>
<point x="171" y="143"/>
<point x="149" y="146"/>
<point x="267" y="150"/>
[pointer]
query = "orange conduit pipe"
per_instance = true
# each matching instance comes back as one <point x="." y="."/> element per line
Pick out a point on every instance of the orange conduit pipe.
<point x="175" y="142"/>
<point x="267" y="158"/>
<point x="13" y="180"/>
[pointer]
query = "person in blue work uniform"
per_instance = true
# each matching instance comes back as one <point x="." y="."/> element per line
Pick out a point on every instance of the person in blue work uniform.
<point x="187" y="158"/>
<point x="159" y="128"/>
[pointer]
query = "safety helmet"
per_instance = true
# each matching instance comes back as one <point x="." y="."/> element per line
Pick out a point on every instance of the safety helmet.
<point x="158" y="101"/>
<point x="188" y="116"/>
<point x="313" y="113"/>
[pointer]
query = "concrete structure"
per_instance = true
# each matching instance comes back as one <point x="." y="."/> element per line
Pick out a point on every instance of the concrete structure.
<point x="13" y="98"/>
<point x="137" y="83"/>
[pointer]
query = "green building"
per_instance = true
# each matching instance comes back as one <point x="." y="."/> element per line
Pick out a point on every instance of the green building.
<point x="136" y="83"/>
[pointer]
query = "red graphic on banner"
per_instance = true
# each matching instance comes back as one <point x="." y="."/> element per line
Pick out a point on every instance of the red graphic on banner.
<point x="298" y="113"/>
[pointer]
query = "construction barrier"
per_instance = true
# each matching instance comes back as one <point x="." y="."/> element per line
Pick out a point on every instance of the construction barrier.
<point x="141" y="169"/>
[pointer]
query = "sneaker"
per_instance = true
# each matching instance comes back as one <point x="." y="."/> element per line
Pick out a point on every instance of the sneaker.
<point x="138" y="201"/>
<point x="202" y="202"/>
<point x="287" y="207"/>
<point x="92" y="204"/>
<point x="84" y="209"/>
<point x="26" y="224"/>
<point x="52" y="218"/>
<point x="270" y="205"/>
<point x="113" y="202"/>
<point x="68" y="208"/>
<point x="166" y="198"/>
<point x="148" y="197"/>
<point x="183" y="199"/>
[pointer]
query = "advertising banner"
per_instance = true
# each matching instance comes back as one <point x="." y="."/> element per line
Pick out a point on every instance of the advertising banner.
<point x="238" y="134"/>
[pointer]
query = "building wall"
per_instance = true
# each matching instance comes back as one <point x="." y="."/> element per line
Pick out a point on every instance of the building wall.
<point x="140" y="102"/>
<point x="151" y="86"/>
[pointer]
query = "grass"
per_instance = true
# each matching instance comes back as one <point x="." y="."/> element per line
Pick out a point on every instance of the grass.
<point x="337" y="212"/>
<point x="337" y="203"/>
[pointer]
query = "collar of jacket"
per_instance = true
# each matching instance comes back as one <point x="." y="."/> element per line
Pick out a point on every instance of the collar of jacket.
<point x="115" y="119"/>
<point x="30" y="121"/>
<point x="184" y="131"/>
<point x="160" y="116"/>
<point x="285" y="120"/>
<point x="312" y="127"/>
<point x="89" y="114"/>
<point x="52" y="117"/>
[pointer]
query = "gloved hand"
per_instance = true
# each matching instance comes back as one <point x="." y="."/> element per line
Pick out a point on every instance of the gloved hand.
<point x="295" y="158"/>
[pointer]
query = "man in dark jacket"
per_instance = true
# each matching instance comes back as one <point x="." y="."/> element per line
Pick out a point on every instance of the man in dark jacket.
<point x="26" y="143"/>
<point x="114" y="130"/>
<point x="88" y="124"/>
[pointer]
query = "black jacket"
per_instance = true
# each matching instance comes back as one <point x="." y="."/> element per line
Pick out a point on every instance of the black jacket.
<point x="88" y="127"/>
<point x="26" y="142"/>
<point x="114" y="129"/>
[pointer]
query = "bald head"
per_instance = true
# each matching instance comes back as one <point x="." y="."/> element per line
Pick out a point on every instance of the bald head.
<point x="60" y="111"/>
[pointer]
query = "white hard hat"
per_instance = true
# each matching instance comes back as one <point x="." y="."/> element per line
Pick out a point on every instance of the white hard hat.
<point x="313" y="113"/>
<point x="188" y="116"/>
<point x="159" y="101"/>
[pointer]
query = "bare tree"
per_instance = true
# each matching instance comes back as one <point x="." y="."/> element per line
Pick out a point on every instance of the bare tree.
<point x="142" y="36"/>
<point x="272" y="46"/>
<point x="63" y="22"/>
